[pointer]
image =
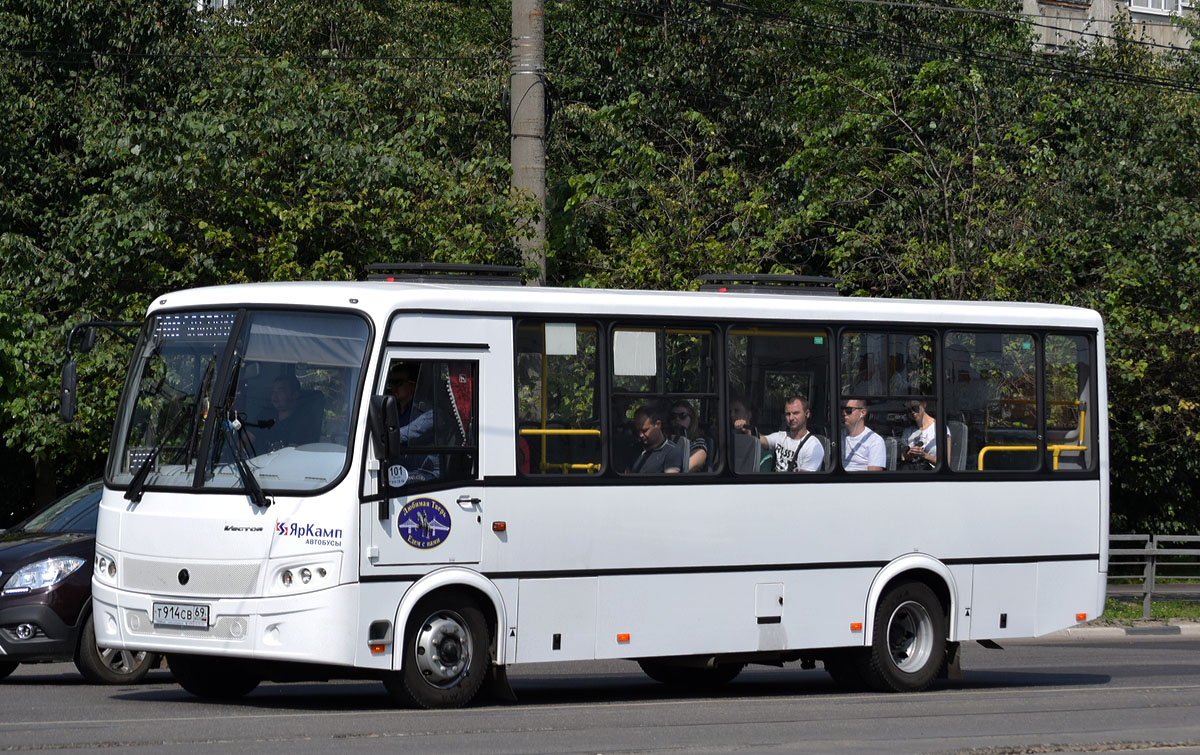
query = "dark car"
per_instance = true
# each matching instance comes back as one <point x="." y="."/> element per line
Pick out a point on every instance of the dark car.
<point x="46" y="593"/>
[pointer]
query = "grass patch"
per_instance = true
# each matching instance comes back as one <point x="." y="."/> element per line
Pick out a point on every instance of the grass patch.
<point x="1127" y="609"/>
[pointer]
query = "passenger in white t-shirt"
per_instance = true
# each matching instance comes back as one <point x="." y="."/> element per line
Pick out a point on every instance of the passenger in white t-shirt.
<point x="918" y="441"/>
<point x="862" y="448"/>
<point x="795" y="449"/>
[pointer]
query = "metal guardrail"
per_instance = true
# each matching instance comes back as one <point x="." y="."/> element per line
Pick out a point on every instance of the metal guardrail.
<point x="1154" y="566"/>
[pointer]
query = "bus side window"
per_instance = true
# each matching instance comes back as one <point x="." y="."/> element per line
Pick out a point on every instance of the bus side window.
<point x="768" y="370"/>
<point x="438" y="403"/>
<point x="991" y="389"/>
<point x="558" y="429"/>
<point x="664" y="400"/>
<point x="1070" y="421"/>
<point x="892" y="374"/>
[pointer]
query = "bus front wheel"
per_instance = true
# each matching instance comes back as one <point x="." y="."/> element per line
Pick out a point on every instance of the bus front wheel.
<point x="446" y="649"/>
<point x="908" y="643"/>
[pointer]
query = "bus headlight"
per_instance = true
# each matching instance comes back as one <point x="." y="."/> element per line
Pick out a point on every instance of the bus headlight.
<point x="305" y="577"/>
<point x="105" y="567"/>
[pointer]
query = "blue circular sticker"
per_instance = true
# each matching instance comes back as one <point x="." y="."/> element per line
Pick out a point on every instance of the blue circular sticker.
<point x="424" y="523"/>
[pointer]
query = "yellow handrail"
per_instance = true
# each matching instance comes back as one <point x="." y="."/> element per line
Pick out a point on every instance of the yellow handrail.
<point x="554" y="431"/>
<point x="1055" y="448"/>
<point x="545" y="466"/>
<point x="590" y="468"/>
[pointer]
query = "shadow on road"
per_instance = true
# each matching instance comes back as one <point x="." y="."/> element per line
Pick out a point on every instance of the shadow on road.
<point x="589" y="688"/>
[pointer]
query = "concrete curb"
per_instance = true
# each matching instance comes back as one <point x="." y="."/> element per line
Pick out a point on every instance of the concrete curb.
<point x="1112" y="631"/>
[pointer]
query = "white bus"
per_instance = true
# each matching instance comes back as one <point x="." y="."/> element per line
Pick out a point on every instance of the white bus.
<point x="425" y="482"/>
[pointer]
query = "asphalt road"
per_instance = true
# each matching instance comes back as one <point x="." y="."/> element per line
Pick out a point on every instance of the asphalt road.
<point x="1103" y="693"/>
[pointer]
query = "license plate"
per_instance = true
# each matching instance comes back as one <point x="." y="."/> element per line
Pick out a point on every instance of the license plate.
<point x="181" y="614"/>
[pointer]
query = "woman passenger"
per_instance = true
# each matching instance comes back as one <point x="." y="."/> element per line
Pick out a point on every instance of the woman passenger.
<point x="685" y="425"/>
<point x="918" y="441"/>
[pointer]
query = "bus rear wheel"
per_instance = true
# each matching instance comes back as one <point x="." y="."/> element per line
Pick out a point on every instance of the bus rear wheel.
<point x="212" y="678"/>
<point x="908" y="642"/>
<point x="445" y="653"/>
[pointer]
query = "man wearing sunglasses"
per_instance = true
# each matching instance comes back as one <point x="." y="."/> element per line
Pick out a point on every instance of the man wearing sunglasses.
<point x="862" y="448"/>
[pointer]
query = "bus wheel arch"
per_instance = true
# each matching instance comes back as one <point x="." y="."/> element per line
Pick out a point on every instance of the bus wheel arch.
<point x="914" y="568"/>
<point x="908" y="627"/>
<point x="444" y="652"/>
<point x="448" y="638"/>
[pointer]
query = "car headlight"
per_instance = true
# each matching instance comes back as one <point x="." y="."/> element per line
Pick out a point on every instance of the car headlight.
<point x="44" y="573"/>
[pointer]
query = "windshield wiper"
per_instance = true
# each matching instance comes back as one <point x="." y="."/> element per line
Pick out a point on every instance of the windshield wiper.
<point x="199" y="411"/>
<point x="134" y="493"/>
<point x="233" y="434"/>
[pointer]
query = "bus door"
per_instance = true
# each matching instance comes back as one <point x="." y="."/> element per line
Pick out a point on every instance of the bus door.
<point x="433" y="511"/>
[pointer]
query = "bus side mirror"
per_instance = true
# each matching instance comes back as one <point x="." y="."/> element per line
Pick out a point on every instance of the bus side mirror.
<point x="66" y="394"/>
<point x="384" y="423"/>
<point x="89" y="340"/>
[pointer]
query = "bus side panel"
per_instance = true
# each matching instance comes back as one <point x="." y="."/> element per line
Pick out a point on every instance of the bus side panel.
<point x="1060" y="599"/>
<point x="1002" y="605"/>
<point x="556" y="619"/>
<point x="687" y="614"/>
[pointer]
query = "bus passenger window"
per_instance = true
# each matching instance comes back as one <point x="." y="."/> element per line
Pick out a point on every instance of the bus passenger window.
<point x="779" y="399"/>
<point x="991" y="392"/>
<point x="1070" y="421"/>
<point x="664" y="400"/>
<point x="558" y="430"/>
<point x="889" y="405"/>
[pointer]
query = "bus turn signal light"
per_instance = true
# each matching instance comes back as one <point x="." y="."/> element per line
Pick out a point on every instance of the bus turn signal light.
<point x="856" y="626"/>
<point x="1081" y="617"/>
<point x="622" y="637"/>
<point x="378" y="648"/>
<point x="499" y="526"/>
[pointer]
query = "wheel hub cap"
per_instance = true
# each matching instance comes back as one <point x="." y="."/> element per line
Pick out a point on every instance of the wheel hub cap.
<point x="443" y="647"/>
<point x="910" y="636"/>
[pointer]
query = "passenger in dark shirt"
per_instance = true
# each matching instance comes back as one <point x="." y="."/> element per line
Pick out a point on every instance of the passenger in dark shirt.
<point x="658" y="453"/>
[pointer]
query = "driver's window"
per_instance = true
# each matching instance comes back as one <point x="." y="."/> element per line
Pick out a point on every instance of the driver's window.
<point x="437" y="401"/>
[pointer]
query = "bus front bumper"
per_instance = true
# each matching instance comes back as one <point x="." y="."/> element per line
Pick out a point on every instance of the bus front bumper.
<point x="317" y="626"/>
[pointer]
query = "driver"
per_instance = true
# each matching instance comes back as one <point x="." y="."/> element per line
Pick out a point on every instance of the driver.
<point x="291" y="427"/>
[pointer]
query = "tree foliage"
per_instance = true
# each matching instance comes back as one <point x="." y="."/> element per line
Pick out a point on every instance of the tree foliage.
<point x="911" y="151"/>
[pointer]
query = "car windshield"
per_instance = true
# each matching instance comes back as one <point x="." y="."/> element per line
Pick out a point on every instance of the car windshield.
<point x="74" y="512"/>
<point x="211" y="390"/>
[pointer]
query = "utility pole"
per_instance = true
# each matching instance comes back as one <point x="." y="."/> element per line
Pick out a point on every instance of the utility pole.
<point x="527" y="132"/>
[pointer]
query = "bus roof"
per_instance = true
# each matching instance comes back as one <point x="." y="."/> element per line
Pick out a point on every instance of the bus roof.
<point x="380" y="298"/>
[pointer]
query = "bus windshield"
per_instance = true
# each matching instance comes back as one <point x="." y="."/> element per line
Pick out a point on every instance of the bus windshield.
<point x="209" y="388"/>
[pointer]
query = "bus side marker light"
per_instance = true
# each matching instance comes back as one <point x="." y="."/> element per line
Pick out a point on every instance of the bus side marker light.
<point x="856" y="626"/>
<point x="623" y="638"/>
<point x="499" y="526"/>
<point x="1081" y="617"/>
<point x="377" y="648"/>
